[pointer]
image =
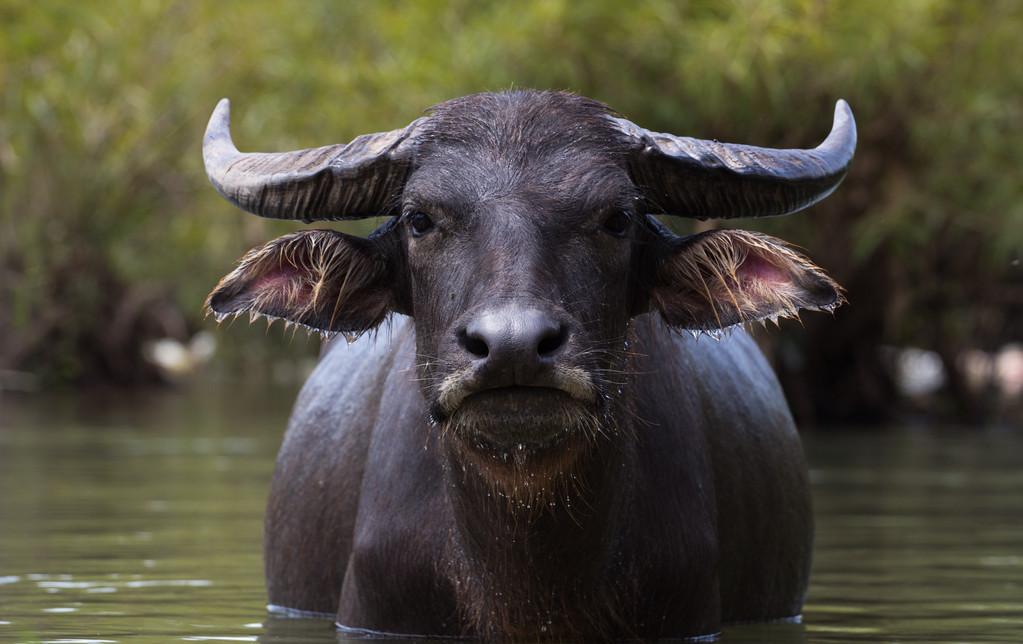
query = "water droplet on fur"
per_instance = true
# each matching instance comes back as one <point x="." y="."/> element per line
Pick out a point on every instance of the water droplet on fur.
<point x="350" y="337"/>
<point x="520" y="454"/>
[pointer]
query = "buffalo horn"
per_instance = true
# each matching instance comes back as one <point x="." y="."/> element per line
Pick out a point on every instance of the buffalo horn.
<point x="710" y="180"/>
<point x="352" y="181"/>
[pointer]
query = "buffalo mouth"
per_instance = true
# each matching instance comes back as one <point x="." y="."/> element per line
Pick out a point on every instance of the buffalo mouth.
<point x="516" y="420"/>
<point x="517" y="404"/>
<point x="522" y="441"/>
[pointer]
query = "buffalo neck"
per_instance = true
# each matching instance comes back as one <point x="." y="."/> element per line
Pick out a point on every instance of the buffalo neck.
<point x="536" y="564"/>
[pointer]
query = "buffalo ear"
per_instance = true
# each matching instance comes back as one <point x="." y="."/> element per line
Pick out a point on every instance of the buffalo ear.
<point x="720" y="278"/>
<point x="321" y="279"/>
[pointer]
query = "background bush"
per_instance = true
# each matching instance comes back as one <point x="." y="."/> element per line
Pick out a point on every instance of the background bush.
<point x="110" y="235"/>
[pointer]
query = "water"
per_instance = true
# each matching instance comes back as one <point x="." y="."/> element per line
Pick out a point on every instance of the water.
<point x="919" y="538"/>
<point x="139" y="520"/>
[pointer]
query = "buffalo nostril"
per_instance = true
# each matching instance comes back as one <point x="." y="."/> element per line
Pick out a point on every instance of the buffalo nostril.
<point x="513" y="335"/>
<point x="551" y="342"/>
<point x="474" y="344"/>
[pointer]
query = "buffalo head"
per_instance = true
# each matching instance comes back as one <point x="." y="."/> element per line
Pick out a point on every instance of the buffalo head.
<point x="522" y="241"/>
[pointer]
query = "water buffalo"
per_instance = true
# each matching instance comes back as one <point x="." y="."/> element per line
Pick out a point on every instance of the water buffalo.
<point x="526" y="446"/>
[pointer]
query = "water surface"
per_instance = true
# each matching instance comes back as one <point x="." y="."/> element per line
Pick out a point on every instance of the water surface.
<point x="139" y="520"/>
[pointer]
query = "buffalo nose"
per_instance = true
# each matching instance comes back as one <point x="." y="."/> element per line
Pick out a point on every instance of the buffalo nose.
<point x="519" y="339"/>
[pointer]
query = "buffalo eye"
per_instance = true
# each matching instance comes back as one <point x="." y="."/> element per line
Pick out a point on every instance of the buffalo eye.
<point x="617" y="223"/>
<point x="420" y="223"/>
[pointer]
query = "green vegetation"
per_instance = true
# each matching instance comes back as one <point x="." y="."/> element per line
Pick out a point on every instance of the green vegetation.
<point x="111" y="236"/>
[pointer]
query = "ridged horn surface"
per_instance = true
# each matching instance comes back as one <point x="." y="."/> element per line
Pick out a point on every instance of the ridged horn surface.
<point x="347" y="181"/>
<point x="709" y="180"/>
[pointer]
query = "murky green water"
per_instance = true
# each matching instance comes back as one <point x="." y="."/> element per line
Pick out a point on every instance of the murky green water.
<point x="139" y="520"/>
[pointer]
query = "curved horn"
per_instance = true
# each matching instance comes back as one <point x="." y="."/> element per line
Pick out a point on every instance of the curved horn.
<point x="711" y="180"/>
<point x="350" y="181"/>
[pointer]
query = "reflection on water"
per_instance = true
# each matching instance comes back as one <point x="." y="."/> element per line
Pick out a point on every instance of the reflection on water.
<point x="134" y="520"/>
<point x="140" y="520"/>
<point x="920" y="538"/>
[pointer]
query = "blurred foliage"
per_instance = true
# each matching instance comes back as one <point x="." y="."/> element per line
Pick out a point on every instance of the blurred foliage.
<point x="110" y="235"/>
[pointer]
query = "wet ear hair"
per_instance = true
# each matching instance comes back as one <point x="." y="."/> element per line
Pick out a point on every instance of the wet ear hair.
<point x="323" y="280"/>
<point x="721" y="278"/>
